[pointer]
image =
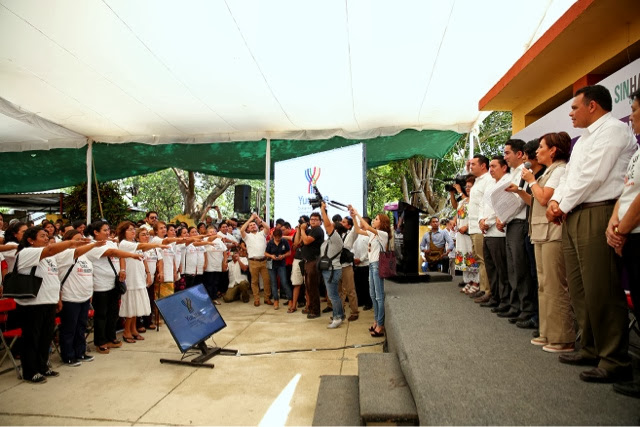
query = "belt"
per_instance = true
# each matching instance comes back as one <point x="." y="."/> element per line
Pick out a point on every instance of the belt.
<point x="594" y="204"/>
<point x="516" y="221"/>
<point x="257" y="259"/>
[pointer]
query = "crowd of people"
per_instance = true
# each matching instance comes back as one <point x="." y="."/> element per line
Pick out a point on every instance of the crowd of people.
<point x="120" y="271"/>
<point x="544" y="245"/>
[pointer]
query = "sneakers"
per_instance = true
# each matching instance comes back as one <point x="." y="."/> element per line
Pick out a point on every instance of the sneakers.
<point x="542" y="341"/>
<point x="334" y="324"/>
<point x="51" y="373"/>
<point x="559" y="348"/>
<point x="37" y="379"/>
<point x="72" y="363"/>
<point x="86" y="358"/>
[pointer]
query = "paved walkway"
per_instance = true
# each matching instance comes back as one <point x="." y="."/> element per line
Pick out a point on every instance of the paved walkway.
<point x="130" y="387"/>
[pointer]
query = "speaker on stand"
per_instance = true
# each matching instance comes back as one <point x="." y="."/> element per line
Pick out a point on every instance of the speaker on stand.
<point x="242" y="199"/>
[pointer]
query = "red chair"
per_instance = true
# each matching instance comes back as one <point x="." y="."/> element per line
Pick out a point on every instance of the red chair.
<point x="633" y="324"/>
<point x="6" y="305"/>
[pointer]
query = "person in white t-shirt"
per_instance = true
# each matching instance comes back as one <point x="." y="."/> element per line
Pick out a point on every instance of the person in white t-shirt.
<point x="256" y="244"/>
<point x="237" y="269"/>
<point x="623" y="232"/>
<point x="135" y="301"/>
<point x="213" y="273"/>
<point x="107" y="265"/>
<point x="378" y="233"/>
<point x="155" y="263"/>
<point x="38" y="314"/>
<point x="76" y="282"/>
<point x="194" y="262"/>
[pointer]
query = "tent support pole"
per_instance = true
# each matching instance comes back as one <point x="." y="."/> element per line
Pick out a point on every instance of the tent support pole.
<point x="267" y="179"/>
<point x="89" y="163"/>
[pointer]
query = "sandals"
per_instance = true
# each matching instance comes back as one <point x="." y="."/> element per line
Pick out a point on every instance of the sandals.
<point x="375" y="334"/>
<point x="129" y="340"/>
<point x="151" y="326"/>
<point x="102" y="349"/>
<point x="138" y="337"/>
<point x="142" y="330"/>
<point x="292" y="310"/>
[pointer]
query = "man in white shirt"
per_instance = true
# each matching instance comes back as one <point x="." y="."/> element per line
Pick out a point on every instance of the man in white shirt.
<point x="523" y="298"/>
<point x="256" y="245"/>
<point x="478" y="167"/>
<point x="584" y="201"/>
<point x="361" y="268"/>
<point x="238" y="279"/>
<point x="495" y="255"/>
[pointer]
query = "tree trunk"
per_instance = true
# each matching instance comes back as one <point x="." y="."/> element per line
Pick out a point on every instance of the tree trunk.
<point x="187" y="184"/>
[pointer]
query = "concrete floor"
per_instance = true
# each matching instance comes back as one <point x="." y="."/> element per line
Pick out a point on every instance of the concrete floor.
<point x="130" y="386"/>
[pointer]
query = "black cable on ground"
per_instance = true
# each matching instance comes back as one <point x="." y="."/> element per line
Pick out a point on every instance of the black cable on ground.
<point x="302" y="350"/>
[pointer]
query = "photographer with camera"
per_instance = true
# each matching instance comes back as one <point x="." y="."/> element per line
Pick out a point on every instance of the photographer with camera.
<point x="330" y="266"/>
<point x="311" y="236"/>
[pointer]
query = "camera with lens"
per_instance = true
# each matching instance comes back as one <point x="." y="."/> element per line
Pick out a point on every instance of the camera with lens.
<point x="461" y="180"/>
<point x="316" y="200"/>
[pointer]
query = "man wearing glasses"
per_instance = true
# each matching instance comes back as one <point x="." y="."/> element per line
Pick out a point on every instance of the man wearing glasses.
<point x="149" y="221"/>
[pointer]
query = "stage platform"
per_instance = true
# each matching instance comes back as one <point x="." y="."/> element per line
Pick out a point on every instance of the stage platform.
<point x="466" y="366"/>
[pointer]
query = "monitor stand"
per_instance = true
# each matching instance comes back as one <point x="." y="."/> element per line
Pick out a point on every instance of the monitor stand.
<point x="200" y="361"/>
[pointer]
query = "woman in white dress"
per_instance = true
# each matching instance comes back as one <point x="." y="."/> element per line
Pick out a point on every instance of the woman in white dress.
<point x="135" y="301"/>
<point x="465" y="260"/>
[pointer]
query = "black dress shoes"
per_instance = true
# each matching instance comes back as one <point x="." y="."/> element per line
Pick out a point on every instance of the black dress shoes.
<point x="490" y="304"/>
<point x="628" y="388"/>
<point x="527" y="324"/>
<point x="513" y="320"/>
<point x="500" y="309"/>
<point x="577" y="359"/>
<point x="508" y="314"/>
<point x="327" y="310"/>
<point x="601" y="375"/>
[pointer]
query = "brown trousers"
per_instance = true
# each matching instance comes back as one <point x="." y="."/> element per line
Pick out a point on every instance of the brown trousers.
<point x="259" y="268"/>
<point x="554" y="303"/>
<point x="477" y="241"/>
<point x="594" y="284"/>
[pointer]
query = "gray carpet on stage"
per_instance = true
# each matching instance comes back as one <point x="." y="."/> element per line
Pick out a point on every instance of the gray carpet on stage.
<point x="466" y="366"/>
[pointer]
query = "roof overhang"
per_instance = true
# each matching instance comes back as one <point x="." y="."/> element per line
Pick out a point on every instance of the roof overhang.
<point x="593" y="37"/>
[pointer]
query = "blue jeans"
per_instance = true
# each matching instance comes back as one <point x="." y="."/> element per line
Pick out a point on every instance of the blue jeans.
<point x="284" y="282"/>
<point x="332" y="291"/>
<point x="376" y="289"/>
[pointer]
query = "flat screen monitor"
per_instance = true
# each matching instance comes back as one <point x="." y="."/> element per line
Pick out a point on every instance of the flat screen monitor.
<point x="190" y="316"/>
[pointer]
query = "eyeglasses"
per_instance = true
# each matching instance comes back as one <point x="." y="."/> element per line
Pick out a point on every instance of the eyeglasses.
<point x="153" y="217"/>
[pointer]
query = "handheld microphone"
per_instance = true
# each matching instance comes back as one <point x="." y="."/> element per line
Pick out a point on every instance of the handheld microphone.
<point x="527" y="165"/>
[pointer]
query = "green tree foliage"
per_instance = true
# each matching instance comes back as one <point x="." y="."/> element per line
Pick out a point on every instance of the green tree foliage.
<point x="427" y="177"/>
<point x="114" y="206"/>
<point x="156" y="191"/>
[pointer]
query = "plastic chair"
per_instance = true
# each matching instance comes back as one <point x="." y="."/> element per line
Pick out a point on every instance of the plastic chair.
<point x="6" y="305"/>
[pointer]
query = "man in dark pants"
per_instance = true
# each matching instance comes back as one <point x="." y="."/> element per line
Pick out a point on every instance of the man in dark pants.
<point x="361" y="268"/>
<point x="312" y="237"/>
<point x="584" y="201"/>
<point x="494" y="246"/>
<point x="523" y="293"/>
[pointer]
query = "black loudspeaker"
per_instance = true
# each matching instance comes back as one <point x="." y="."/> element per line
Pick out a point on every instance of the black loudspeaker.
<point x="242" y="199"/>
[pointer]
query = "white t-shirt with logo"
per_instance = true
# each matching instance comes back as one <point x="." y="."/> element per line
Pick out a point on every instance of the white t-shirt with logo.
<point x="47" y="268"/>
<point x="79" y="284"/>
<point x="194" y="260"/>
<point x="103" y="275"/>
<point x="215" y="252"/>
<point x="377" y="243"/>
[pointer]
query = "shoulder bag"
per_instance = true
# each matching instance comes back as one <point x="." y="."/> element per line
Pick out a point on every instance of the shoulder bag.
<point x="121" y="285"/>
<point x="21" y="286"/>
<point x="387" y="262"/>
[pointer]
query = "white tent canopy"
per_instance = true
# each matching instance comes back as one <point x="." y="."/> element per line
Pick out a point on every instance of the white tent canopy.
<point x="159" y="71"/>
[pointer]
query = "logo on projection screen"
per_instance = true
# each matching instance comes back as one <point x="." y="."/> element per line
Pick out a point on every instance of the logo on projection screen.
<point x="188" y="304"/>
<point x="312" y="175"/>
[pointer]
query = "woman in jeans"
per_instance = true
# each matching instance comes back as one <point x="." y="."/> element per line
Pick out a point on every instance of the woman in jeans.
<point x="378" y="233"/>
<point x="332" y="248"/>
<point x="277" y="251"/>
